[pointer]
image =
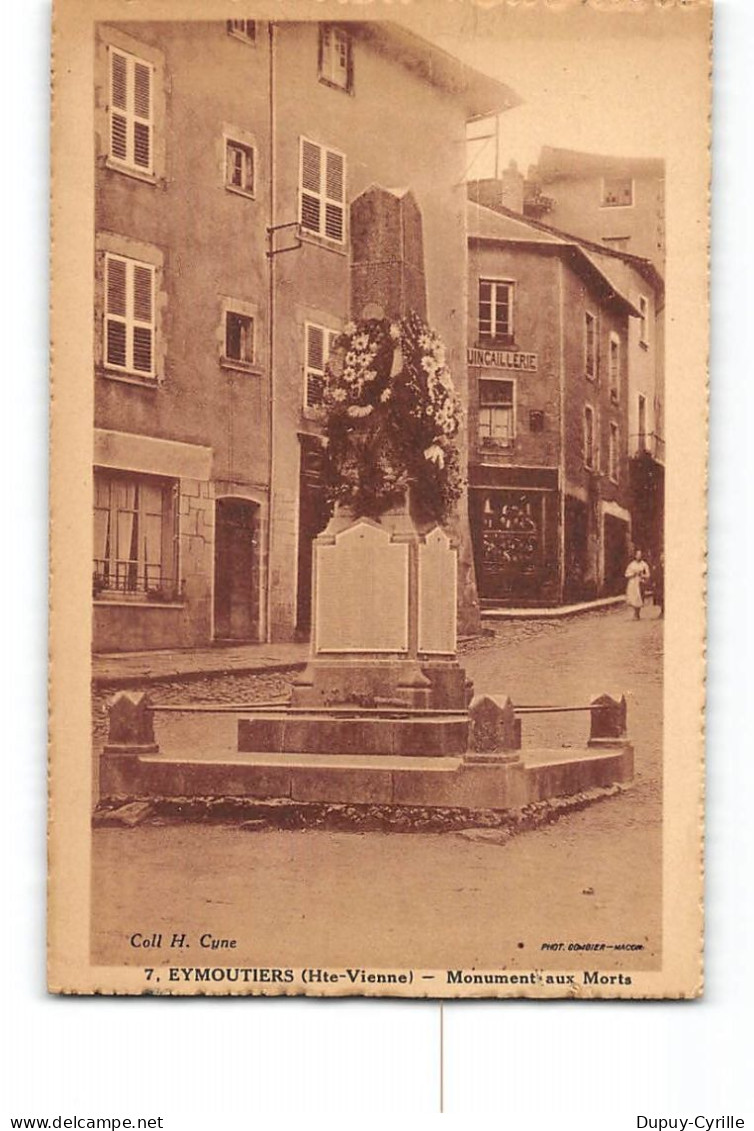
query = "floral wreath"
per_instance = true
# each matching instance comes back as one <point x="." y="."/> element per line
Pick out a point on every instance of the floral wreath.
<point x="392" y="418"/>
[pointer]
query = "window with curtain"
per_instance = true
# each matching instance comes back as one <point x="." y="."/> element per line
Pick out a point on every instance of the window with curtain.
<point x="497" y="424"/>
<point x="335" y="57"/>
<point x="134" y="534"/>
<point x="319" y="342"/>
<point x="495" y="310"/>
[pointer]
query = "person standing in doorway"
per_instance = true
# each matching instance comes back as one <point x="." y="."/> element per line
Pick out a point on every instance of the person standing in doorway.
<point x="637" y="572"/>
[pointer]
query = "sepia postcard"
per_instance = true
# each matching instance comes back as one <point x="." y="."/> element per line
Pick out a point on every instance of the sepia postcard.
<point x="379" y="393"/>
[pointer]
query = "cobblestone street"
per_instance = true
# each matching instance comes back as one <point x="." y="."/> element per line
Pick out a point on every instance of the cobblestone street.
<point x="461" y="899"/>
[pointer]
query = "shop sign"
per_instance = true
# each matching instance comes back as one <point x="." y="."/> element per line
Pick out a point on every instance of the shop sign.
<point x="501" y="359"/>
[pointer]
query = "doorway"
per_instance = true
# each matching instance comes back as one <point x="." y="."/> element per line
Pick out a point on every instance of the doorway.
<point x="236" y="570"/>
<point x="616" y="546"/>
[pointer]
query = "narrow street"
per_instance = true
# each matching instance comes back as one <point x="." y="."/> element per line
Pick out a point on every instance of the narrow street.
<point x="432" y="900"/>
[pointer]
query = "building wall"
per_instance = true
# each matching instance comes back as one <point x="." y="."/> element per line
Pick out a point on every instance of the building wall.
<point x="578" y="208"/>
<point x="585" y="522"/>
<point x="209" y="245"/>
<point x="536" y="330"/>
<point x="518" y="484"/>
<point x="594" y="488"/>
<point x="422" y="148"/>
<point x="645" y="354"/>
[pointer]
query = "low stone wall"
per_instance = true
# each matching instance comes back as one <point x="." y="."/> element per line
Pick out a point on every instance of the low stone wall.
<point x="448" y="783"/>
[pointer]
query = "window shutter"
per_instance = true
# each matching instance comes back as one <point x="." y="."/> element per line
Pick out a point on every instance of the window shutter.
<point x="311" y="185"/>
<point x="131" y="110"/>
<point x="142" y="115"/>
<point x="129" y="315"/>
<point x="335" y="193"/>
<point x="115" y="312"/>
<point x="143" y="278"/>
<point x="315" y="365"/>
<point x="118" y="106"/>
<point x="315" y="348"/>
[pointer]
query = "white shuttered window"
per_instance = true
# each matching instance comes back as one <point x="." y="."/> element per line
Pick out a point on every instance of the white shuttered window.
<point x="129" y="315"/>
<point x="322" y="191"/>
<point x="131" y="111"/>
<point x="318" y="343"/>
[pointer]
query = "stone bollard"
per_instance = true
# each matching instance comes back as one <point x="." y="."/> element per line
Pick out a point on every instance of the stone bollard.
<point x="494" y="731"/>
<point x="608" y="721"/>
<point x="131" y="726"/>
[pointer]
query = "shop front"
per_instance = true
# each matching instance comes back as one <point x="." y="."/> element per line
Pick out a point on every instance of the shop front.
<point x="514" y="525"/>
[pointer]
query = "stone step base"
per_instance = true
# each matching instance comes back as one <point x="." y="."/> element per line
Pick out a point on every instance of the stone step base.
<point x="369" y="779"/>
<point x="319" y="733"/>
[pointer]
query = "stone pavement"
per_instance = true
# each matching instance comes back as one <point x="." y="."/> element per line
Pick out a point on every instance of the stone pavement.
<point x="441" y="900"/>
<point x="130" y="668"/>
<point x="122" y="669"/>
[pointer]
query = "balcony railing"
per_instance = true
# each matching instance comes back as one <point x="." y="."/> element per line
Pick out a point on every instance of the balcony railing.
<point x="133" y="580"/>
<point x="647" y="443"/>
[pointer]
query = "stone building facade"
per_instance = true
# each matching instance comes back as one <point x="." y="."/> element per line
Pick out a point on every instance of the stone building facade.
<point x="549" y="494"/>
<point x="640" y="279"/>
<point x="228" y="158"/>
<point x="616" y="201"/>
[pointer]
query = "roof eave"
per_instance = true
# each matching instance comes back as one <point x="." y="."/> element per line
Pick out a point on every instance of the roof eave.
<point x="480" y="94"/>
<point x="576" y="257"/>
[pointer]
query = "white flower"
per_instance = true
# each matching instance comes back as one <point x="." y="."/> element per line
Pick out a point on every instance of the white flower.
<point x="429" y="364"/>
<point x="370" y="375"/>
<point x="338" y="394"/>
<point x="425" y="341"/>
<point x="395" y="331"/>
<point x="350" y="328"/>
<point x="359" y="410"/>
<point x="385" y="395"/>
<point x="361" y="341"/>
<point x="435" y="454"/>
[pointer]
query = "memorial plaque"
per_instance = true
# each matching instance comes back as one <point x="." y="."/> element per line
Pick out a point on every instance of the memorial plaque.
<point x="362" y="560"/>
<point x="437" y="593"/>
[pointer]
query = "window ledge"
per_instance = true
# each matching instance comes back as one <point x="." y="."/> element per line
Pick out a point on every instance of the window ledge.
<point x="241" y="366"/>
<point x="249" y="194"/>
<point x="321" y="241"/>
<point x="335" y="85"/>
<point x="505" y="343"/>
<point x="129" y="171"/>
<point x="137" y="603"/>
<point x="314" y="414"/>
<point x="129" y="378"/>
<point x="239" y="35"/>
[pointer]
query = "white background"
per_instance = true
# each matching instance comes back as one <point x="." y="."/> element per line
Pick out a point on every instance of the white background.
<point x="218" y="1064"/>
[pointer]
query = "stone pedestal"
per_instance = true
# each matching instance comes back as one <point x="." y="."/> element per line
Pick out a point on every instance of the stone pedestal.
<point x="384" y="617"/>
<point x="383" y="679"/>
